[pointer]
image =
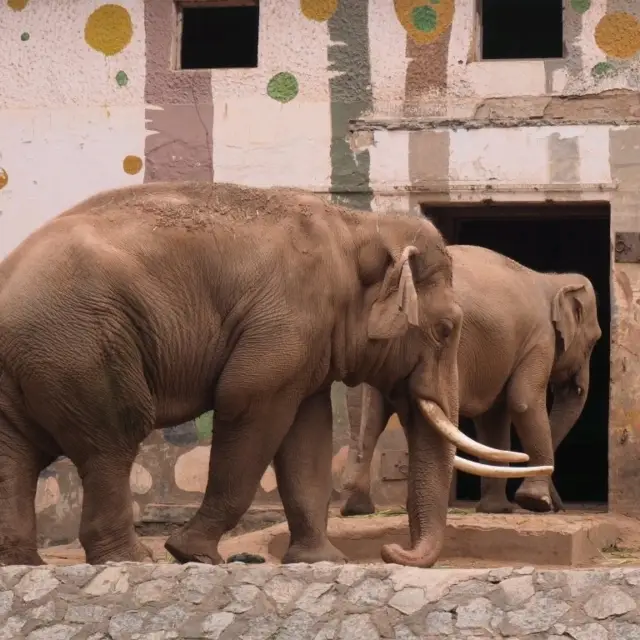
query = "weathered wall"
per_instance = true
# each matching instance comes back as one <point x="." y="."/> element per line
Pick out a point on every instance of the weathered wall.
<point x="379" y="102"/>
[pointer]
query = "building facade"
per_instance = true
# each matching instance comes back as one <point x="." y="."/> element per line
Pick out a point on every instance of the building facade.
<point x="454" y="108"/>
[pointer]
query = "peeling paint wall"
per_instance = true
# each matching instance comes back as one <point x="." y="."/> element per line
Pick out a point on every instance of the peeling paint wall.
<point x="379" y="102"/>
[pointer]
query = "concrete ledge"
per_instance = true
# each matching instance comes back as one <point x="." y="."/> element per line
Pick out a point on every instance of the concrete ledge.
<point x="315" y="602"/>
<point x="502" y="539"/>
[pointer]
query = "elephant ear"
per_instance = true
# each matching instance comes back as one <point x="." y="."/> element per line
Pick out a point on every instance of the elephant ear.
<point x="567" y="312"/>
<point x="396" y="307"/>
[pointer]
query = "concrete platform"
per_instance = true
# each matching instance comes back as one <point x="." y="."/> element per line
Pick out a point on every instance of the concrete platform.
<point x="543" y="540"/>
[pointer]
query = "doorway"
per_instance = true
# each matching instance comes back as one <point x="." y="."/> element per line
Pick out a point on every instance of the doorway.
<point x="560" y="238"/>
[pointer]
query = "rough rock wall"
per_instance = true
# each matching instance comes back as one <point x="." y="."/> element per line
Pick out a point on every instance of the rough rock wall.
<point x="323" y="601"/>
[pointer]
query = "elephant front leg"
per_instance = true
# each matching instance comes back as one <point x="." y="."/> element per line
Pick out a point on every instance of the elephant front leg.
<point x="241" y="450"/>
<point x="528" y="403"/>
<point x="493" y="428"/>
<point x="303" y="472"/>
<point x="368" y="416"/>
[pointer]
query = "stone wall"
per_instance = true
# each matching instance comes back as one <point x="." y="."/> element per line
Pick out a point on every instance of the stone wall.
<point x="316" y="602"/>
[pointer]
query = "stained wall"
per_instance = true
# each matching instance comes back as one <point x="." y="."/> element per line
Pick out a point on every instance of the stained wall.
<point x="380" y="102"/>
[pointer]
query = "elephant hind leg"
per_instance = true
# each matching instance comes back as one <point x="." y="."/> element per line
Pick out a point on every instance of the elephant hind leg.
<point x="493" y="429"/>
<point x="106" y="528"/>
<point x="303" y="472"/>
<point x="21" y="462"/>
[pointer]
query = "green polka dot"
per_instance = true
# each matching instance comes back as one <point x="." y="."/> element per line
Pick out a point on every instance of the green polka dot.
<point x="283" y="87"/>
<point x="122" y="79"/>
<point x="204" y="425"/>
<point x="424" y="18"/>
<point x="580" y="6"/>
<point x="603" y="70"/>
<point x="24" y="36"/>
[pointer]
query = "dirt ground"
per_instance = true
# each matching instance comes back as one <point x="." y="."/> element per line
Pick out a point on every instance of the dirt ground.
<point x="361" y="537"/>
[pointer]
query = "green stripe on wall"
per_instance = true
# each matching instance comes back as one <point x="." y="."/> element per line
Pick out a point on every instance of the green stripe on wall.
<point x="351" y="97"/>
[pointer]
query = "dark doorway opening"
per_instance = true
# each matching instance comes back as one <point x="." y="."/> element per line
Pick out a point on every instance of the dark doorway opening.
<point x="223" y="36"/>
<point x="559" y="238"/>
<point x="521" y="29"/>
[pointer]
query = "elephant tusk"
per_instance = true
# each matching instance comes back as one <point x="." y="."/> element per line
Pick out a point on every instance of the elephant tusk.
<point x="434" y="414"/>
<point x="490" y="471"/>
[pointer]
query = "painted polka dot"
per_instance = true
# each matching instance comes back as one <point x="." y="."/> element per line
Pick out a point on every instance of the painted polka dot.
<point x="17" y="5"/>
<point x="24" y="36"/>
<point x="191" y="471"/>
<point x="283" y="87"/>
<point x="603" y="70"/>
<point x="618" y="35"/>
<point x="109" y="29"/>
<point x="140" y="479"/>
<point x="122" y="79"/>
<point x="4" y="178"/>
<point x="204" y="426"/>
<point x="424" y="18"/>
<point x="132" y="165"/>
<point x="319" y="10"/>
<point x="581" y="6"/>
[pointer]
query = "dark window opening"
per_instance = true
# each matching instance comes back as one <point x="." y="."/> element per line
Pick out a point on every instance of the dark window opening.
<point x="521" y="29"/>
<point x="219" y="37"/>
<point x="544" y="238"/>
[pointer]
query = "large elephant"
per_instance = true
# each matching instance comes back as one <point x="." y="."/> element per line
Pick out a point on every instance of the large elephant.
<point x="522" y="332"/>
<point x="146" y="306"/>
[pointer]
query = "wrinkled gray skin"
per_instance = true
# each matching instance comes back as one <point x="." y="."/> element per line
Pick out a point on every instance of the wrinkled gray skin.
<point x="144" y="307"/>
<point x="522" y="331"/>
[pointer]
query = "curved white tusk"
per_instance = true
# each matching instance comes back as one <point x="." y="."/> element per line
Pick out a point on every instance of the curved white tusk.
<point x="491" y="471"/>
<point x="435" y="415"/>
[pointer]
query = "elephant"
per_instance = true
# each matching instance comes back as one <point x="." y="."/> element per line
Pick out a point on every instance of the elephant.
<point x="145" y="306"/>
<point x="523" y="332"/>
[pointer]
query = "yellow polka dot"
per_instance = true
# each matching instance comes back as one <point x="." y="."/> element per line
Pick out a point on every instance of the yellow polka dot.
<point x="132" y="165"/>
<point x="17" y="5"/>
<point x="319" y="10"/>
<point x="618" y="35"/>
<point x="425" y="20"/>
<point x="109" y="29"/>
<point x="4" y="178"/>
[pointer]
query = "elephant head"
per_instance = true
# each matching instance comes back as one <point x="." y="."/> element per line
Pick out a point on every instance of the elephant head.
<point x="409" y="353"/>
<point x="575" y="319"/>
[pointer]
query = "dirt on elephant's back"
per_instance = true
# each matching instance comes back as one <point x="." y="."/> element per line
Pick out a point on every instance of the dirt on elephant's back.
<point x="568" y="539"/>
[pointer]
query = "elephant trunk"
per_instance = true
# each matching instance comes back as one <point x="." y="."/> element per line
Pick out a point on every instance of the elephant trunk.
<point x="568" y="403"/>
<point x="430" y="470"/>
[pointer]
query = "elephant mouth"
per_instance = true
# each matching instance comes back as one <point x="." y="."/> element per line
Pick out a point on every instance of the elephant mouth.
<point x="435" y="416"/>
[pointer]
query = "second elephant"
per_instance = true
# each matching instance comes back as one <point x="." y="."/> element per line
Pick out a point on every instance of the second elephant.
<point x="523" y="332"/>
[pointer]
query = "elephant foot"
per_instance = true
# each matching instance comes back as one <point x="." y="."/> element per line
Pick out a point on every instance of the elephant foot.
<point x="358" y="503"/>
<point x="17" y="556"/>
<point x="136" y="552"/>
<point x="556" y="500"/>
<point x="324" y="552"/>
<point x="534" y="497"/>
<point x="187" y="545"/>
<point x="494" y="505"/>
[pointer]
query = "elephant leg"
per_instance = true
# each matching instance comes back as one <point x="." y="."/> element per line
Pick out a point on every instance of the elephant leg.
<point x="368" y="417"/>
<point x="303" y="471"/>
<point x="528" y="404"/>
<point x="20" y="465"/>
<point x="107" y="531"/>
<point x="241" y="449"/>
<point x="493" y="429"/>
